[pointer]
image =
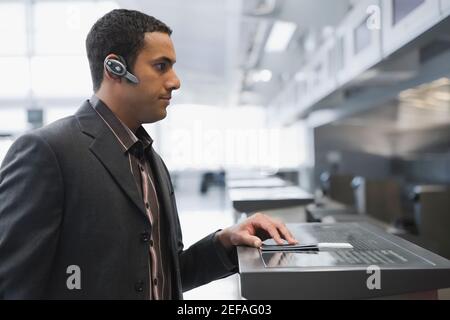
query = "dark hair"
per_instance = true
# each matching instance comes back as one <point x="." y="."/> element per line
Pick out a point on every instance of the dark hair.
<point x="120" y="32"/>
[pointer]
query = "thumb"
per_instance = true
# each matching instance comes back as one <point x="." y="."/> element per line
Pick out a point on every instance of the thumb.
<point x="248" y="240"/>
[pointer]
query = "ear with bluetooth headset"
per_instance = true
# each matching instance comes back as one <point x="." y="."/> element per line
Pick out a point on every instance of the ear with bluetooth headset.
<point x="118" y="67"/>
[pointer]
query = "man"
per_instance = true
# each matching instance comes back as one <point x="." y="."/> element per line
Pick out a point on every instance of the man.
<point x="87" y="208"/>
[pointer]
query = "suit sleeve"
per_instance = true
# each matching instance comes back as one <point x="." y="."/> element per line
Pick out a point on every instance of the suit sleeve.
<point x="205" y="261"/>
<point x="31" y="206"/>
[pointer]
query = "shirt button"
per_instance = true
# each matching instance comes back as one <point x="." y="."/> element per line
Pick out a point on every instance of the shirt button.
<point x="147" y="205"/>
<point x="139" y="286"/>
<point x="155" y="282"/>
<point x="151" y="242"/>
<point x="145" y="237"/>
<point x="141" y="168"/>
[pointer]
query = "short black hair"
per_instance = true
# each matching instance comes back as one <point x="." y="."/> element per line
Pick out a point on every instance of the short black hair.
<point x="120" y="32"/>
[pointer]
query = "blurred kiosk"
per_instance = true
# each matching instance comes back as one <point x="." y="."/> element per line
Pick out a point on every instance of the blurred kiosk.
<point x="286" y="203"/>
<point x="247" y="200"/>
<point x="254" y="193"/>
<point x="269" y="182"/>
<point x="380" y="266"/>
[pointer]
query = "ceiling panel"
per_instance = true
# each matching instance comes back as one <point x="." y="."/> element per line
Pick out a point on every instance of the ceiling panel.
<point x="218" y="40"/>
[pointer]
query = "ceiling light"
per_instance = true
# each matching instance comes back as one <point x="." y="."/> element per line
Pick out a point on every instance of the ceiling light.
<point x="280" y="36"/>
<point x="260" y="76"/>
<point x="265" y="75"/>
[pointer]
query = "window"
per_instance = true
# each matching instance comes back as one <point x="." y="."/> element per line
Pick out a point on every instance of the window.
<point x="12" y="120"/>
<point x="336" y="57"/>
<point x="70" y="22"/>
<point x="13" y="29"/>
<point x="60" y="67"/>
<point x="318" y="75"/>
<point x="43" y="56"/>
<point x="58" y="112"/>
<point x="363" y="37"/>
<point x="15" y="77"/>
<point x="60" y="76"/>
<point x="340" y="54"/>
<point x="5" y="144"/>
<point x="402" y="8"/>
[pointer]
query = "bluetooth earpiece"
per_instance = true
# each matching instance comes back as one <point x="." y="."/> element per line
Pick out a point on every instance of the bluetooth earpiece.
<point x="119" y="69"/>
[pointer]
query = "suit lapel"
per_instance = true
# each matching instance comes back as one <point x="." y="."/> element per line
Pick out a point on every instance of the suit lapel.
<point x="108" y="151"/>
<point x="164" y="188"/>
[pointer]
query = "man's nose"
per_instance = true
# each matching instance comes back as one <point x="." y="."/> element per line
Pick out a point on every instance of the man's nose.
<point x="174" y="82"/>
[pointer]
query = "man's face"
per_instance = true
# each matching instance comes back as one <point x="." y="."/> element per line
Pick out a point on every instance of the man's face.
<point x="157" y="79"/>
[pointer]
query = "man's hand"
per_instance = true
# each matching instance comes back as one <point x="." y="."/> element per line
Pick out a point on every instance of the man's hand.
<point x="252" y="231"/>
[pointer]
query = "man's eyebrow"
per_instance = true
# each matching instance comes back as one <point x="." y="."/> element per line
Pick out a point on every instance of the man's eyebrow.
<point x="165" y="59"/>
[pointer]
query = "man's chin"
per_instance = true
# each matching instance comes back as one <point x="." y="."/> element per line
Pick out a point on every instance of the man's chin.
<point x="163" y="114"/>
<point x="157" y="118"/>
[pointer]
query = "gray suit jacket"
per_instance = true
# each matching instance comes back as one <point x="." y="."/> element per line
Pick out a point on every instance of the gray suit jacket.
<point x="68" y="198"/>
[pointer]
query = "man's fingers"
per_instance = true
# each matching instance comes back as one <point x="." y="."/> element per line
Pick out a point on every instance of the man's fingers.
<point x="286" y="234"/>
<point x="272" y="231"/>
<point x="276" y="229"/>
<point x="283" y="230"/>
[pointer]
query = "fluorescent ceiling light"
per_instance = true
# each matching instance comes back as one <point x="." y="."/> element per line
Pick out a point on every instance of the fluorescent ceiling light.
<point x="280" y="36"/>
<point x="259" y="76"/>
<point x="263" y="76"/>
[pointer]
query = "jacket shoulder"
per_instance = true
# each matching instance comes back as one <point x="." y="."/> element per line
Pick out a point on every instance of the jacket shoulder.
<point x="59" y="128"/>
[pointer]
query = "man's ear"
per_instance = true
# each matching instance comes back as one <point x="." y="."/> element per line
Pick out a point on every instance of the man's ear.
<point x="111" y="77"/>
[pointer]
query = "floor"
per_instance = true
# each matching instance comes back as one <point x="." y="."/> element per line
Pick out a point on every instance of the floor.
<point x="201" y="215"/>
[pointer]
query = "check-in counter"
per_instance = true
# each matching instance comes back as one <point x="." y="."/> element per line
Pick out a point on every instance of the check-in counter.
<point x="269" y="182"/>
<point x="432" y="214"/>
<point x="287" y="215"/>
<point x="338" y="187"/>
<point x="377" y="202"/>
<point x="378" y="266"/>
<point x="380" y="199"/>
<point x="246" y="174"/>
<point x="331" y="211"/>
<point x="338" y="202"/>
<point x="249" y="200"/>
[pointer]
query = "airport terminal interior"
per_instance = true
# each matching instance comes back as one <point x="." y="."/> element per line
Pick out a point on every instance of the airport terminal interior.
<point x="330" y="115"/>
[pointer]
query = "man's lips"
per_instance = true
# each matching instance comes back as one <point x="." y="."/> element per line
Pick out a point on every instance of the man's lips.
<point x="166" y="98"/>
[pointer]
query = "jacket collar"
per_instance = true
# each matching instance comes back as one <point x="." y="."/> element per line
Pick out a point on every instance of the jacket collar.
<point x="109" y="152"/>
